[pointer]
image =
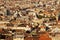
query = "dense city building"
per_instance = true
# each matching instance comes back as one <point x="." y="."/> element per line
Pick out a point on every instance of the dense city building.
<point x="29" y="19"/>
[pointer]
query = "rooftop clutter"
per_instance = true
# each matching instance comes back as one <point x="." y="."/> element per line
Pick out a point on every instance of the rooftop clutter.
<point x="39" y="15"/>
<point x="28" y="11"/>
